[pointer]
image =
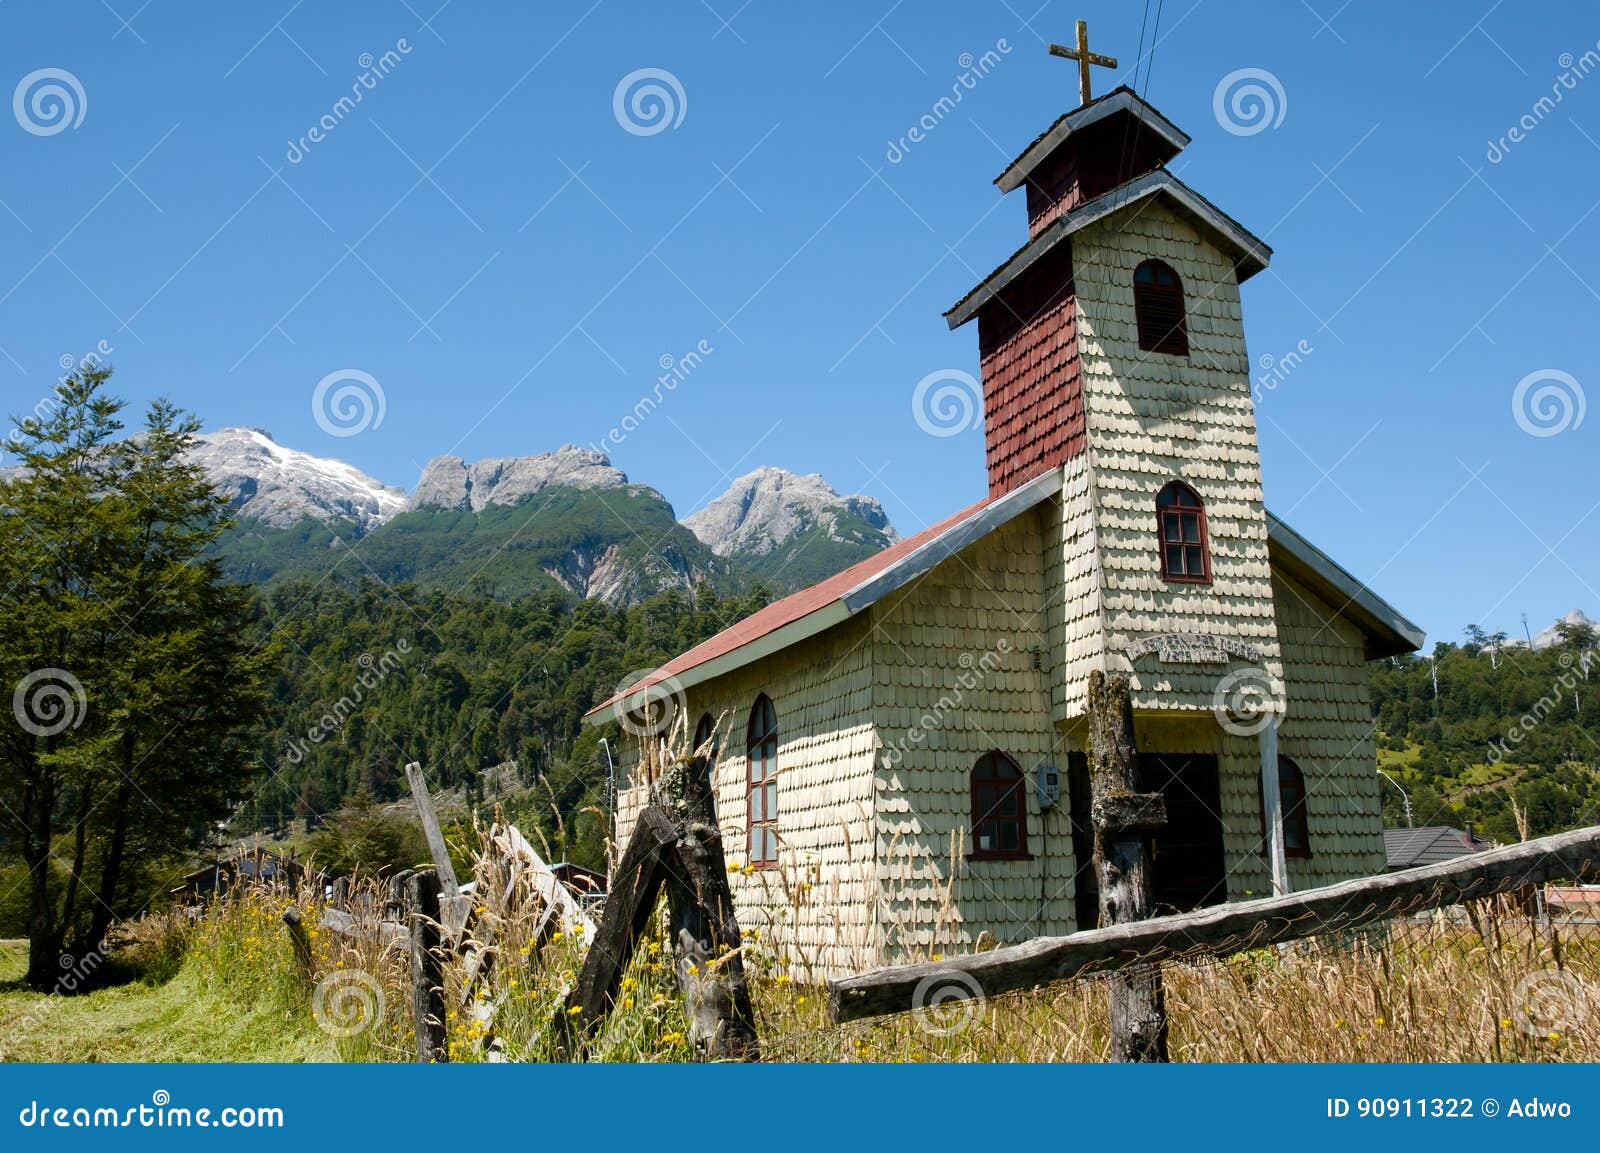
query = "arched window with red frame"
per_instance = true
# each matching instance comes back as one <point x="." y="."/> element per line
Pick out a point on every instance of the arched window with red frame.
<point x="1292" y="797"/>
<point x="1158" y="309"/>
<point x="1181" y="535"/>
<point x="705" y="734"/>
<point x="999" y="809"/>
<point x="761" y="761"/>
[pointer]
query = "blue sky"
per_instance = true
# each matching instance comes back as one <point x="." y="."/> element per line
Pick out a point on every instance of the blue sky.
<point x="485" y="239"/>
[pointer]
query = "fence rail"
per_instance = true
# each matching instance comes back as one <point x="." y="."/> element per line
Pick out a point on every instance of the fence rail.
<point x="1222" y="929"/>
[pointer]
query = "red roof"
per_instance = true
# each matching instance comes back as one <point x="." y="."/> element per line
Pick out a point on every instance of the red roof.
<point x="795" y="606"/>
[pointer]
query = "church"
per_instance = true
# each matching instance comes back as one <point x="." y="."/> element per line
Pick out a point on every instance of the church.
<point x="899" y="749"/>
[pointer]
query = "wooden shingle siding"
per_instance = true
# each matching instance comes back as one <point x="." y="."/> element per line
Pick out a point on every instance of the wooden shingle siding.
<point x="822" y="691"/>
<point x="1329" y="731"/>
<point x="955" y="678"/>
<point x="1151" y="418"/>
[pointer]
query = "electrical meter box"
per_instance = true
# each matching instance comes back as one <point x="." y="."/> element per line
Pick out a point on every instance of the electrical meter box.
<point x="1047" y="783"/>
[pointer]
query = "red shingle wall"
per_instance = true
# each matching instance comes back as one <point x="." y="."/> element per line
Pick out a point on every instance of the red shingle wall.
<point x="1032" y="393"/>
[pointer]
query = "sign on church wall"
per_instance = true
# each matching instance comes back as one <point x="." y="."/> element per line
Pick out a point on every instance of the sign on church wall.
<point x="1193" y="649"/>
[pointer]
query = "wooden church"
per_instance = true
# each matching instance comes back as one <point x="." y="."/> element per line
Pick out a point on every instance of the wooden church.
<point x="899" y="749"/>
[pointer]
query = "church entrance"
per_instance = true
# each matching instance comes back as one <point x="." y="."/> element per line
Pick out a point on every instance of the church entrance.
<point x="1190" y="869"/>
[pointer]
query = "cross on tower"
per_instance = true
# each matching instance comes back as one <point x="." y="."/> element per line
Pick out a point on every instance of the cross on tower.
<point x="1084" y="58"/>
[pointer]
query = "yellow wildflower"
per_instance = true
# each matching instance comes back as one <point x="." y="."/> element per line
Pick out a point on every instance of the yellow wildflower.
<point x="575" y="1011"/>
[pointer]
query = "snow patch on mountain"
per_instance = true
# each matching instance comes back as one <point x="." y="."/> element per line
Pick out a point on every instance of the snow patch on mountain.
<point x="281" y="486"/>
<point x="1552" y="635"/>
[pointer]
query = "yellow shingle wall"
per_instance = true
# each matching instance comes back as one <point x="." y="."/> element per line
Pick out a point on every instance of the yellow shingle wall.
<point x="954" y="679"/>
<point x="1072" y="590"/>
<point x="1328" y="730"/>
<point x="814" y="913"/>
<point x="1153" y="418"/>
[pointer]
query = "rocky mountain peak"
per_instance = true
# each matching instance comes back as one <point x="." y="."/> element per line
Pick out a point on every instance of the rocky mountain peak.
<point x="765" y="509"/>
<point x="449" y="482"/>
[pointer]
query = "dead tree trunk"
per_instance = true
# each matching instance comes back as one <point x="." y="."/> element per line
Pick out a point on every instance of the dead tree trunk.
<point x="1123" y="820"/>
<point x="427" y="968"/>
<point x="705" y="933"/>
<point x="675" y="845"/>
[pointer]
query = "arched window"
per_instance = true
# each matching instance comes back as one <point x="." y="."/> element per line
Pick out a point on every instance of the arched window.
<point x="761" y="758"/>
<point x="1181" y="532"/>
<point x="1292" y="795"/>
<point x="705" y="735"/>
<point x="999" y="809"/>
<point x="1158" y="309"/>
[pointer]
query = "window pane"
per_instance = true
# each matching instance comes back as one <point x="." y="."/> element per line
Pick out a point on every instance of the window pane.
<point x="772" y="799"/>
<point x="1197" y="564"/>
<point x="771" y="843"/>
<point x="1175" y="560"/>
<point x="1008" y="836"/>
<point x="1191" y="528"/>
<point x="1173" y="531"/>
<point x="756" y="813"/>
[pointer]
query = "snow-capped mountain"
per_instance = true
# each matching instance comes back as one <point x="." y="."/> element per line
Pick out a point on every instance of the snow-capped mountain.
<point x="790" y="527"/>
<point x="1552" y="635"/>
<point x="281" y="487"/>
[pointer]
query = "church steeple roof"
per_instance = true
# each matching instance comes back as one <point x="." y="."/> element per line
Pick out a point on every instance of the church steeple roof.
<point x="1121" y="110"/>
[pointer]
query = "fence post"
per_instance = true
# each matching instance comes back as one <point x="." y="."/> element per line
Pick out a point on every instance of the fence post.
<point x="427" y="968"/>
<point x="300" y="941"/>
<point x="1123" y="820"/>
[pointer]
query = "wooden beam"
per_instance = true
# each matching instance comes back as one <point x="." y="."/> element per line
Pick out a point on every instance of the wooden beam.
<point x="1226" y="929"/>
<point x="427" y="968"/>
<point x="430" y="829"/>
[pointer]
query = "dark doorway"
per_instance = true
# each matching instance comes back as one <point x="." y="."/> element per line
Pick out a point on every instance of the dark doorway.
<point x="1190" y="868"/>
<point x="1086" y="886"/>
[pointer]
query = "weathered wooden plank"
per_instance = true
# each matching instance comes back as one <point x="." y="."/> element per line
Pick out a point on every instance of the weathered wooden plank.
<point x="550" y="889"/>
<point x="427" y="969"/>
<point x="430" y="829"/>
<point x="1225" y="929"/>
<point x="1123" y="816"/>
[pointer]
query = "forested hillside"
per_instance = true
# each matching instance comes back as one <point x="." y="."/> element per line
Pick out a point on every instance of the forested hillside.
<point x="1482" y="730"/>
<point x="373" y="677"/>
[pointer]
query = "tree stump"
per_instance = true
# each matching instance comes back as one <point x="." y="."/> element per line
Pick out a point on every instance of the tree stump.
<point x="1123" y="821"/>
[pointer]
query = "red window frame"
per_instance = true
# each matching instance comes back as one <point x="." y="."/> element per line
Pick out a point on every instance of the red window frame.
<point x="999" y="796"/>
<point x="1158" y="309"/>
<point x="1292" y="796"/>
<point x="761" y="782"/>
<point x="1182" y="538"/>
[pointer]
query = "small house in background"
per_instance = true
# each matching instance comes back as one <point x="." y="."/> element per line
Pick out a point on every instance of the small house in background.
<point x="587" y="885"/>
<point x="246" y="869"/>
<point x="1429" y="845"/>
<point x="1573" y="902"/>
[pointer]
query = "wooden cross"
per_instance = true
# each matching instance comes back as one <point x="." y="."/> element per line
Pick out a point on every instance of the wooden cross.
<point x="1084" y="58"/>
